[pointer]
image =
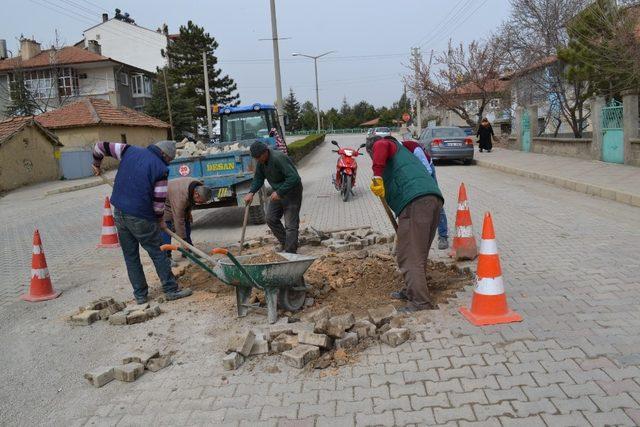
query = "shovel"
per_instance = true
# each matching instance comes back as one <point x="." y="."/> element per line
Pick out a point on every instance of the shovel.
<point x="244" y="227"/>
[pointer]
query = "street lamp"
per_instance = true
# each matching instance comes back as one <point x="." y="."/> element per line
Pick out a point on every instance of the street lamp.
<point x="315" y="64"/>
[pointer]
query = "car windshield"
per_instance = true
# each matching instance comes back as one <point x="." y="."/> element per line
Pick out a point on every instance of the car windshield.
<point x="448" y="133"/>
<point x="382" y="130"/>
<point x="243" y="126"/>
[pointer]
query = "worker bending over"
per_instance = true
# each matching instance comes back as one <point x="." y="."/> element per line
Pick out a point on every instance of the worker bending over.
<point x="415" y="198"/>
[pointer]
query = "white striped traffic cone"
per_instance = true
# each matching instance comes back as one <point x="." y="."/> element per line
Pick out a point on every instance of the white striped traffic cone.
<point x="109" y="237"/>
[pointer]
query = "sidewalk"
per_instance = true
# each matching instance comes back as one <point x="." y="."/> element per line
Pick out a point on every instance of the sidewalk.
<point x="610" y="181"/>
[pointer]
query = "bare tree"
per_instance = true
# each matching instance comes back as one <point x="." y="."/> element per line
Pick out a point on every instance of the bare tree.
<point x="460" y="74"/>
<point x="530" y="40"/>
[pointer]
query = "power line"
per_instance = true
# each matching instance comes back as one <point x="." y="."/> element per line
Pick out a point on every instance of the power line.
<point x="96" y="5"/>
<point x="448" y="20"/>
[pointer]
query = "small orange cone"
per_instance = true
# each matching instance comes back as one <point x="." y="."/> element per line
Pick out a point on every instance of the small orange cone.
<point x="489" y="302"/>
<point x="109" y="237"/>
<point x="464" y="243"/>
<point x="40" y="288"/>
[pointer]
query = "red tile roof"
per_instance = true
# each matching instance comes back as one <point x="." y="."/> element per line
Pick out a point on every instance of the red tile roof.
<point x="93" y="111"/>
<point x="11" y="126"/>
<point x="66" y="56"/>
<point x="535" y="65"/>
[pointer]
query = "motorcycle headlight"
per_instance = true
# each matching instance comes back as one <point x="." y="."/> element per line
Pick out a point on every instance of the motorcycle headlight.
<point x="348" y="152"/>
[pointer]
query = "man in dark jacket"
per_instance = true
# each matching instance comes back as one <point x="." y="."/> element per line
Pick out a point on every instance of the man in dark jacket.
<point x="138" y="198"/>
<point x="415" y="198"/>
<point x="286" y="199"/>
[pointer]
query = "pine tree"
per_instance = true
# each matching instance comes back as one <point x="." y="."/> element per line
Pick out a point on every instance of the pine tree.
<point x="22" y="102"/>
<point x="183" y="110"/>
<point x="292" y="110"/>
<point x="308" y="118"/>
<point x="185" y="59"/>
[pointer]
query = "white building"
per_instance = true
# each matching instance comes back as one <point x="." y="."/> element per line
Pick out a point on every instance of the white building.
<point x="121" y="39"/>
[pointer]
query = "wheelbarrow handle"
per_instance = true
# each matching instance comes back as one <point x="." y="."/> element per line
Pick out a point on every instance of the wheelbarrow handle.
<point x="234" y="260"/>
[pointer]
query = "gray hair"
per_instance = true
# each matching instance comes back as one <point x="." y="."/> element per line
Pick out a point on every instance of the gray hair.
<point x="203" y="192"/>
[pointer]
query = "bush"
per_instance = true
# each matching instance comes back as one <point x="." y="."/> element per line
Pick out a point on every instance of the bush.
<point x="299" y="149"/>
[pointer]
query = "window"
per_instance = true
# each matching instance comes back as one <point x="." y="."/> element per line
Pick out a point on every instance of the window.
<point x="244" y="126"/>
<point x="494" y="103"/>
<point x="39" y="83"/>
<point x="124" y="79"/>
<point x="141" y="85"/>
<point x="448" y="133"/>
<point x="123" y="138"/>
<point x="68" y="82"/>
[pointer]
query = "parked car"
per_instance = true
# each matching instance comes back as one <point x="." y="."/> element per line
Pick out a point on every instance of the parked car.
<point x="450" y="143"/>
<point x="468" y="131"/>
<point x="381" y="132"/>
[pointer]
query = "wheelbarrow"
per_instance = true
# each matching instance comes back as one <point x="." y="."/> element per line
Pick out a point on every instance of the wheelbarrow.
<point x="282" y="282"/>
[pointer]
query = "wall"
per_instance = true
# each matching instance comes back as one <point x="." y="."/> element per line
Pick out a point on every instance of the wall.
<point x="634" y="152"/>
<point x="130" y="44"/>
<point x="27" y="158"/>
<point x="568" y="147"/>
<point x="99" y="81"/>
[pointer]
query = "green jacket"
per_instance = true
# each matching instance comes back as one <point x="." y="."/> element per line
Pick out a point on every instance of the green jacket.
<point x="406" y="179"/>
<point x="279" y="171"/>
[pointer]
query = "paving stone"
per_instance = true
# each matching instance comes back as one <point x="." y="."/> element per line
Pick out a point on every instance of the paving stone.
<point x="608" y="403"/>
<point x="349" y="340"/>
<point x="360" y="393"/>
<point x="284" y="342"/>
<point x="443" y="415"/>
<point x="364" y="329"/>
<point x="339" y="324"/>
<point x="586" y="389"/>
<point x="615" y="417"/>
<point x="129" y="372"/>
<point x="271" y="412"/>
<point x="526" y="409"/>
<point x="299" y="356"/>
<point x="260" y="346"/>
<point x="119" y="318"/>
<point x="318" y="340"/>
<point x="534" y="421"/>
<point x="470" y="384"/>
<point x="416" y="389"/>
<point x="350" y="407"/>
<point x="395" y="336"/>
<point x="346" y="421"/>
<point x="484" y="412"/>
<point x="496" y="396"/>
<point x="242" y="343"/>
<point x="440" y="386"/>
<point x="555" y="378"/>
<point x="85" y="318"/>
<point x="423" y="417"/>
<point x="137" y="316"/>
<point x="476" y="360"/>
<point x="232" y="361"/>
<point x="420" y="376"/>
<point x="490" y="422"/>
<point x="154" y="311"/>
<point x="567" y="406"/>
<point x="157" y="363"/>
<point x="516" y="380"/>
<point x="535" y="393"/>
<point x="308" y="410"/>
<point x="136" y="307"/>
<point x="277" y="329"/>
<point x="617" y="387"/>
<point x="573" y="419"/>
<point x="435" y="400"/>
<point x="100" y="376"/>
<point x="316" y="315"/>
<point x="382" y="405"/>
<point x="464" y="372"/>
<point x="380" y="315"/>
<point x="383" y="419"/>
<point x="459" y="399"/>
<point x="139" y="356"/>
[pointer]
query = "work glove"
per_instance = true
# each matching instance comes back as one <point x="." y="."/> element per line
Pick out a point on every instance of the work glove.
<point x="377" y="186"/>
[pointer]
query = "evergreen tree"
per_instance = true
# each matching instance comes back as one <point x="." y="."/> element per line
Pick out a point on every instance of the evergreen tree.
<point x="292" y="110"/>
<point x="183" y="111"/>
<point x="185" y="59"/>
<point x="308" y="119"/>
<point x="22" y="102"/>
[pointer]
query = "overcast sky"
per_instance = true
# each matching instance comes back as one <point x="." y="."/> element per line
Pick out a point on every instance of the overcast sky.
<point x="372" y="38"/>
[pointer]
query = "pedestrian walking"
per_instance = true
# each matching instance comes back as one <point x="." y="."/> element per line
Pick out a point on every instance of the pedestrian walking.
<point x="427" y="162"/>
<point x="485" y="135"/>
<point x="182" y="196"/>
<point x="286" y="199"/>
<point x="415" y="198"/>
<point x="138" y="198"/>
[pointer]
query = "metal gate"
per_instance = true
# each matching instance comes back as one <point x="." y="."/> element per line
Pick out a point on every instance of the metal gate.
<point x="525" y="130"/>
<point x="76" y="164"/>
<point x="613" y="135"/>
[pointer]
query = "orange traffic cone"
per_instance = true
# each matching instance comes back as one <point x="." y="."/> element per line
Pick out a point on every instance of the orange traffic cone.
<point x="489" y="302"/>
<point x="109" y="237"/>
<point x="40" y="288"/>
<point x="464" y="243"/>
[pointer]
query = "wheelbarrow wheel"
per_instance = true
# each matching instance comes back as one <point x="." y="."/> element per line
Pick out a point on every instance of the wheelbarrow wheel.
<point x="290" y="299"/>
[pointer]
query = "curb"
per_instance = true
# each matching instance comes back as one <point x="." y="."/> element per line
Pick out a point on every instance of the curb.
<point x="74" y="188"/>
<point x="581" y="187"/>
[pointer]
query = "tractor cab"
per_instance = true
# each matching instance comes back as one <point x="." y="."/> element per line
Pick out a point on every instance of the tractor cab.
<point x="245" y="124"/>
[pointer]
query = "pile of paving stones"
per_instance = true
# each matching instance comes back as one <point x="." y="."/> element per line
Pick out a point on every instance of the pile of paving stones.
<point x="117" y="313"/>
<point x="315" y="335"/>
<point x="194" y="149"/>
<point x="131" y="368"/>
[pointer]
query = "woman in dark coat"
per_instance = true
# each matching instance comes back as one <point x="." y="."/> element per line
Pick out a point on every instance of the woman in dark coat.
<point x="485" y="134"/>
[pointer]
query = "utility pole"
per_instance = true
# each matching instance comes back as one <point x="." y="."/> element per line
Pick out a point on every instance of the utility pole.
<point x="416" y="59"/>
<point x="206" y="93"/>
<point x="276" y="66"/>
<point x="166" y="92"/>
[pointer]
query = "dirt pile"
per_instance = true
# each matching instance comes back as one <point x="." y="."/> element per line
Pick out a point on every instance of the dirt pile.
<point x="357" y="281"/>
<point x="264" y="258"/>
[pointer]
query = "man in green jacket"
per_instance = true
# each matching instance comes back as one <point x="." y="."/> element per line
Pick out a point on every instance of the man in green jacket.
<point x="286" y="199"/>
<point x="415" y="198"/>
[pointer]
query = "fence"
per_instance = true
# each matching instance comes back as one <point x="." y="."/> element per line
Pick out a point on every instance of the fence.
<point x="349" y="130"/>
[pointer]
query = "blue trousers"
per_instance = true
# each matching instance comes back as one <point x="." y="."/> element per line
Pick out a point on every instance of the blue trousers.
<point x="134" y="232"/>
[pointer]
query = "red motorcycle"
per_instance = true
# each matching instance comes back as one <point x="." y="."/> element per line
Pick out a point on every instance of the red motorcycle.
<point x="345" y="178"/>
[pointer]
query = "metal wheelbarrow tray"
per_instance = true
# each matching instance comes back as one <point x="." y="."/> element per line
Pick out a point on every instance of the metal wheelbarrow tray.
<point x="282" y="281"/>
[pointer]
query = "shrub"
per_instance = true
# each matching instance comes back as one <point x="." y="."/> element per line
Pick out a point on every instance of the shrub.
<point x="299" y="149"/>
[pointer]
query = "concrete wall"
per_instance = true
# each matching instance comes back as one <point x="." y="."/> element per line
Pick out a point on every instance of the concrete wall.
<point x="130" y="44"/>
<point x="568" y="147"/>
<point x="634" y="152"/>
<point x="99" y="81"/>
<point x="26" y="158"/>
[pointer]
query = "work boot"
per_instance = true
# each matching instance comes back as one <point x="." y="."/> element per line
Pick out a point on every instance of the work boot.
<point x="401" y="295"/>
<point x="142" y="300"/>
<point x="443" y="243"/>
<point x="180" y="293"/>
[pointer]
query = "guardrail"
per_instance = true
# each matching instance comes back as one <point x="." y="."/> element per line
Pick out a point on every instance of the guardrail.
<point x="348" y="130"/>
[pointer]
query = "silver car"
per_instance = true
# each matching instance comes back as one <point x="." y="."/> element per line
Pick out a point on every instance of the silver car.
<point x="381" y="132"/>
<point x="448" y="143"/>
